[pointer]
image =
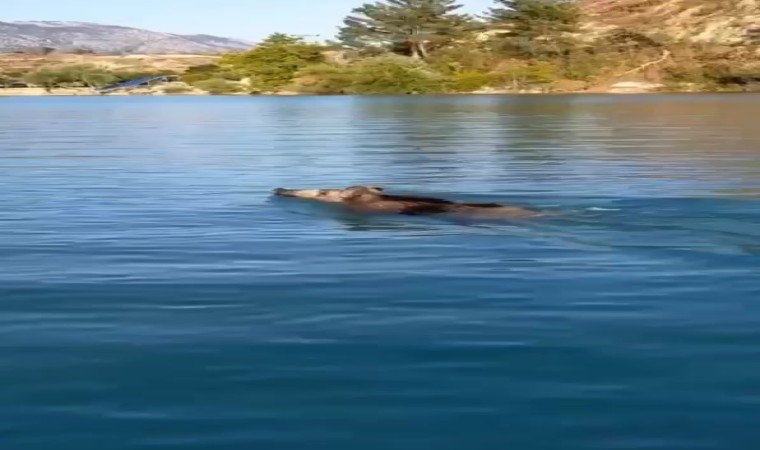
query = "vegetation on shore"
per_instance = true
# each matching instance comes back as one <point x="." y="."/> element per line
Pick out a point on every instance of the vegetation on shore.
<point x="73" y="75"/>
<point x="428" y="46"/>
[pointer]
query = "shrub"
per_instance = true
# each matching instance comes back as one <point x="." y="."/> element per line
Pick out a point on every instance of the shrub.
<point x="466" y="57"/>
<point x="394" y="75"/>
<point x="204" y="72"/>
<point x="274" y="63"/>
<point x="531" y="75"/>
<point x="70" y="75"/>
<point x="470" y="81"/>
<point x="14" y="78"/>
<point x="177" y="89"/>
<point x="218" y="86"/>
<point x="389" y="74"/>
<point x="324" y="79"/>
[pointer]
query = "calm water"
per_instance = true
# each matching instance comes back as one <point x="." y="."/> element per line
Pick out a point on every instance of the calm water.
<point x="154" y="296"/>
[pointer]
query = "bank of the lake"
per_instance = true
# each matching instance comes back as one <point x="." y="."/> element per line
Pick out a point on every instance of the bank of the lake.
<point x="616" y="88"/>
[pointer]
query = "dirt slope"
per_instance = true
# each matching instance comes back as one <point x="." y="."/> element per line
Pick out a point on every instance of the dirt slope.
<point x="727" y="22"/>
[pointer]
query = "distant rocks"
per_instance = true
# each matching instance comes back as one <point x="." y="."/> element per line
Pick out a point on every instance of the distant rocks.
<point x="43" y="37"/>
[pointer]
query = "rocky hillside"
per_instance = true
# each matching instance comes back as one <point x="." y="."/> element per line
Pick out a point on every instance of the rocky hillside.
<point x="726" y="22"/>
<point x="108" y="39"/>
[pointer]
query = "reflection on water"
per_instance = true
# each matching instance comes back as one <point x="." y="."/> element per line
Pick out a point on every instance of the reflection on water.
<point x="156" y="296"/>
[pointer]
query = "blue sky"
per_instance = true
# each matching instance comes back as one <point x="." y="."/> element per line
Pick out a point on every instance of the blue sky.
<point x="245" y="19"/>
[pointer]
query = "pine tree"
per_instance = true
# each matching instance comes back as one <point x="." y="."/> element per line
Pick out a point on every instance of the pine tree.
<point x="274" y="62"/>
<point x="412" y="27"/>
<point x="534" y="18"/>
<point x="535" y="25"/>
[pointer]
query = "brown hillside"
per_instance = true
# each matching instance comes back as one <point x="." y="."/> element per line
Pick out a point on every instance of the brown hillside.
<point x="726" y="22"/>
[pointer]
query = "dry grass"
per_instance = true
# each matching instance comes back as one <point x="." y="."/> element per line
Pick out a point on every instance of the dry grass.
<point x="716" y="21"/>
<point x="22" y="62"/>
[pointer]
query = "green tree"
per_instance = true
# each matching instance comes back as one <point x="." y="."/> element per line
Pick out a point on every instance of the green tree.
<point x="409" y="27"/>
<point x="70" y="75"/>
<point x="43" y="77"/>
<point x="389" y="74"/>
<point x="533" y="27"/>
<point x="8" y="79"/>
<point x="536" y="17"/>
<point x="394" y="75"/>
<point x="202" y="72"/>
<point x="273" y="63"/>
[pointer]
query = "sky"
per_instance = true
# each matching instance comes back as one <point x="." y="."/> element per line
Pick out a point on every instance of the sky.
<point x="243" y="19"/>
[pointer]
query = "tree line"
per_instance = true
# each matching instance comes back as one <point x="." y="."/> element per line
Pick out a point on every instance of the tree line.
<point x="431" y="46"/>
<point x="412" y="46"/>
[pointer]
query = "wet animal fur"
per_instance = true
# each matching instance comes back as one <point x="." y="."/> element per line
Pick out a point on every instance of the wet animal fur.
<point x="372" y="199"/>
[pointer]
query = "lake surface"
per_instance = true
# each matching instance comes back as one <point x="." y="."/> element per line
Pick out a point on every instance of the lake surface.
<point x="154" y="296"/>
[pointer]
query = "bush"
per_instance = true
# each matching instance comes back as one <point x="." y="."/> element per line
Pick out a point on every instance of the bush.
<point x="6" y="80"/>
<point x="467" y="57"/>
<point x="324" y="79"/>
<point x="714" y="76"/>
<point x="585" y="65"/>
<point x="394" y="75"/>
<point x="177" y="89"/>
<point x="206" y="72"/>
<point x="380" y="75"/>
<point x="531" y="75"/>
<point x="685" y="74"/>
<point x="471" y="81"/>
<point x="218" y="86"/>
<point x="274" y="63"/>
<point x="70" y="76"/>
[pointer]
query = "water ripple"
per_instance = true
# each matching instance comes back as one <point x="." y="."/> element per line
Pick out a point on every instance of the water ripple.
<point x="155" y="296"/>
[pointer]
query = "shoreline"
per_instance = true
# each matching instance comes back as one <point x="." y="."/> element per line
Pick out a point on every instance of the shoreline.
<point x="628" y="89"/>
<point x="452" y="94"/>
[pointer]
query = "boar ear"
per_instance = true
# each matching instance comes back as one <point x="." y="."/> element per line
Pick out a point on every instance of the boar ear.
<point x="348" y="193"/>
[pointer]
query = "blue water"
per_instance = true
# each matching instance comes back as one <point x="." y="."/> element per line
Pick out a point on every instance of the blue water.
<point x="154" y="296"/>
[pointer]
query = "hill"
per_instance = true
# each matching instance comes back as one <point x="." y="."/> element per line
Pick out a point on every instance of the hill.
<point x="722" y="22"/>
<point x="108" y="39"/>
